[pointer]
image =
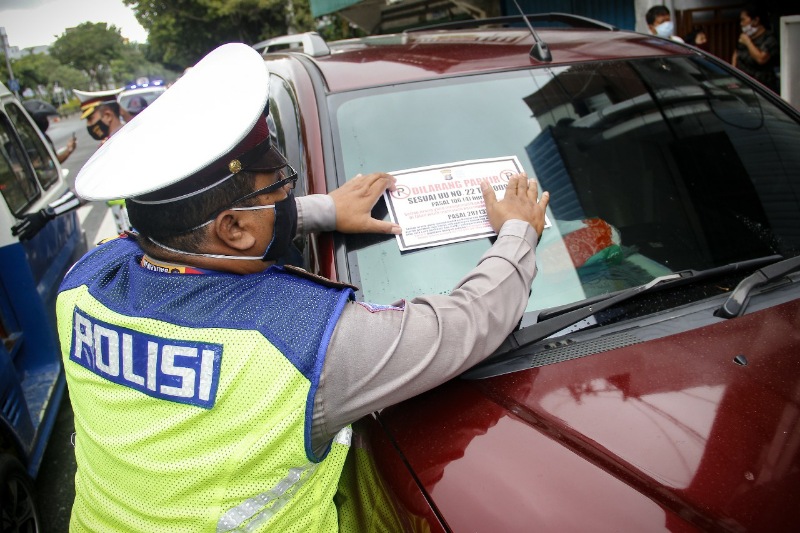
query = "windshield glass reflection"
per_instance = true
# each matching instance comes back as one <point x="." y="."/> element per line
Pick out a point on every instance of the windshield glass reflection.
<point x="654" y="166"/>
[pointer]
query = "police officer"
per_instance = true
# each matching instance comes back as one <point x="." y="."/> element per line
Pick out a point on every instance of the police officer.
<point x="101" y="111"/>
<point x="213" y="389"/>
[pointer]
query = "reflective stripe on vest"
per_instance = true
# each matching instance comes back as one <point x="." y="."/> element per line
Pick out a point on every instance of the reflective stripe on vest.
<point x="257" y="506"/>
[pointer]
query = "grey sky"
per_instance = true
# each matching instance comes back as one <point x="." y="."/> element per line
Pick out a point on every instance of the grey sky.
<point x="40" y="22"/>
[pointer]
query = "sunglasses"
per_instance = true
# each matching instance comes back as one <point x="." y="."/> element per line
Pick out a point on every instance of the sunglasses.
<point x="285" y="179"/>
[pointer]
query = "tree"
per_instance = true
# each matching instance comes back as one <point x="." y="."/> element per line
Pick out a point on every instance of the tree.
<point x="33" y="70"/>
<point x="181" y="32"/>
<point x="90" y="47"/>
<point x="67" y="78"/>
<point x="41" y="70"/>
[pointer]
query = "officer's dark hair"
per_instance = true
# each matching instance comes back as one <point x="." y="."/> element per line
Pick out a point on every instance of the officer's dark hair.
<point x="158" y="220"/>
<point x="41" y="121"/>
<point x="654" y="12"/>
<point x="111" y="106"/>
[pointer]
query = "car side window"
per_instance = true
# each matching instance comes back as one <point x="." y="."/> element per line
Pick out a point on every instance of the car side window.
<point x="43" y="164"/>
<point x="17" y="182"/>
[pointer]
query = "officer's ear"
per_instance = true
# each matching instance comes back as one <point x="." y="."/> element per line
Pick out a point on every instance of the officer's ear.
<point x="235" y="229"/>
<point x="108" y="115"/>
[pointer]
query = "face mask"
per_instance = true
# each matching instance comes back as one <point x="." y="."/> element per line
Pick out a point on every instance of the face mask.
<point x="283" y="230"/>
<point x="99" y="130"/>
<point x="749" y="30"/>
<point x="665" y="29"/>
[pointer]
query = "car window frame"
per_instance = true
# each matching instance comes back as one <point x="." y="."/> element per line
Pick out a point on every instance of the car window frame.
<point x="285" y="127"/>
<point x="29" y="134"/>
<point x="25" y="176"/>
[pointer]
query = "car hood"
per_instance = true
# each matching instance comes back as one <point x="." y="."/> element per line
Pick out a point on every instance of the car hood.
<point x="698" y="429"/>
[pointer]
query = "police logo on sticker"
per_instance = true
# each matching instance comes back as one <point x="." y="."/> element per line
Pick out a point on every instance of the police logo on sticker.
<point x="170" y="369"/>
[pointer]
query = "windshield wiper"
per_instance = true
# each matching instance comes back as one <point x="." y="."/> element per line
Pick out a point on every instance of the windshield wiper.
<point x="554" y="320"/>
<point x="737" y="302"/>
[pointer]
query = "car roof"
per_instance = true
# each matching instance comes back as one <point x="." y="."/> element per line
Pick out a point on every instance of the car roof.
<point x="414" y="56"/>
<point x="144" y="90"/>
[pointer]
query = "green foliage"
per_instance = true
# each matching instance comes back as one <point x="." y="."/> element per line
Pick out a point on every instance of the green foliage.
<point x="68" y="77"/>
<point x="334" y="27"/>
<point x="181" y="33"/>
<point x="90" y="47"/>
<point x="34" y="69"/>
<point x="73" y="106"/>
<point x="41" y="70"/>
<point x="94" y="56"/>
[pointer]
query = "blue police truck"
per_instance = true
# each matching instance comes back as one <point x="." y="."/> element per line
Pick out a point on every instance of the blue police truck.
<point x="32" y="381"/>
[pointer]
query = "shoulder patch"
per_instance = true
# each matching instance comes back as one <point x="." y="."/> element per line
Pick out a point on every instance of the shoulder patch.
<point x="124" y="235"/>
<point x="376" y="308"/>
<point x="302" y="273"/>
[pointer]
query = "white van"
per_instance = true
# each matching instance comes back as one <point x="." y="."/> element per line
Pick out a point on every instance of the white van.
<point x="32" y="381"/>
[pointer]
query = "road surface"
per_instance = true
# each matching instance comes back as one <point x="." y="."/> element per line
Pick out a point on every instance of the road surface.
<point x="95" y="217"/>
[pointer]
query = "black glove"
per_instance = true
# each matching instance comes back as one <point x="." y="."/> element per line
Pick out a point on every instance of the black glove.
<point x="32" y="223"/>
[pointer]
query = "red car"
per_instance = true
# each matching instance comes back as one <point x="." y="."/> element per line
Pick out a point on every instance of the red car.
<point x="654" y="380"/>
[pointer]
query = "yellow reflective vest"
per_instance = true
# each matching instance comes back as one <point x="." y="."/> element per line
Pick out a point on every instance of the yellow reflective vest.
<point x="193" y="397"/>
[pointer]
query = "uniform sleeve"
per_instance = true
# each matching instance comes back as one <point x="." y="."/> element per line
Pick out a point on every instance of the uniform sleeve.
<point x="315" y="213"/>
<point x="67" y="202"/>
<point x="379" y="356"/>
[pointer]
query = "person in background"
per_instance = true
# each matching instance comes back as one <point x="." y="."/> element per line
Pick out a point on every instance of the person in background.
<point x="212" y="389"/>
<point x="757" y="50"/>
<point x="43" y="122"/>
<point x="101" y="111"/>
<point x="697" y="38"/>
<point x="135" y="106"/>
<point x="659" y="22"/>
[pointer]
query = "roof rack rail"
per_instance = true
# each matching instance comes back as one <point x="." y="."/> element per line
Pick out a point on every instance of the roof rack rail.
<point x="312" y="42"/>
<point x="576" y="21"/>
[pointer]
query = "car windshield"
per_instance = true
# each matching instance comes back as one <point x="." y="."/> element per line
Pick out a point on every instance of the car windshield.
<point x="149" y="96"/>
<point x="654" y="166"/>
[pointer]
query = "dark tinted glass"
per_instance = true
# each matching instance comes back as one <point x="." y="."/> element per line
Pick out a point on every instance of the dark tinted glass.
<point x="17" y="182"/>
<point x="43" y="164"/>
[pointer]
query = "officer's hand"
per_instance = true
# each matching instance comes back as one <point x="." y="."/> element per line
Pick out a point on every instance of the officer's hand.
<point x="31" y="224"/>
<point x="519" y="203"/>
<point x="354" y="202"/>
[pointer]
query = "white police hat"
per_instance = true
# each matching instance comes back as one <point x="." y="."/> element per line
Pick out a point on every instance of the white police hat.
<point x="90" y="100"/>
<point x="205" y="128"/>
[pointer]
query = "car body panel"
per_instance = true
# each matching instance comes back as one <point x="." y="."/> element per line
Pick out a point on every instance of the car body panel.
<point x="143" y="95"/>
<point x="669" y="432"/>
<point x="378" y="489"/>
<point x="437" y="54"/>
